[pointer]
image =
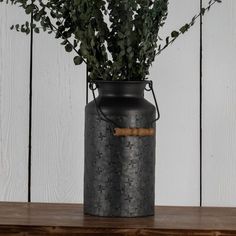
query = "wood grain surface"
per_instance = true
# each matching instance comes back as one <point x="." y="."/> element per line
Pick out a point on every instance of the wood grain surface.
<point x="14" y="112"/>
<point x="175" y="74"/>
<point x="59" y="89"/>
<point x="68" y="219"/>
<point x="219" y="106"/>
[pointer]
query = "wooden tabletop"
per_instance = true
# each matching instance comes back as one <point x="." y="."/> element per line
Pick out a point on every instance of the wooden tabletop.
<point x="68" y="219"/>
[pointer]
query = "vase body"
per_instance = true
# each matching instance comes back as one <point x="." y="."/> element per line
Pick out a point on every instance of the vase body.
<point x="119" y="177"/>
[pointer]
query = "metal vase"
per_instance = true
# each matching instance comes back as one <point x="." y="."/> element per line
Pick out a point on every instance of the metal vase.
<point x="119" y="177"/>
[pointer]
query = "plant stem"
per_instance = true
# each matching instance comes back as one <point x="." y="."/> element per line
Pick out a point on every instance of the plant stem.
<point x="173" y="39"/>
<point x="54" y="28"/>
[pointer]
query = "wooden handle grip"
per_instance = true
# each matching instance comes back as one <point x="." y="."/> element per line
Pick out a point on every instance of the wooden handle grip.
<point x="141" y="132"/>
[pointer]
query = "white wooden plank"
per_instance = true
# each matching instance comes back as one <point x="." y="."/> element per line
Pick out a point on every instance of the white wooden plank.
<point x="176" y="77"/>
<point x="14" y="79"/>
<point x="58" y="123"/>
<point x="219" y="127"/>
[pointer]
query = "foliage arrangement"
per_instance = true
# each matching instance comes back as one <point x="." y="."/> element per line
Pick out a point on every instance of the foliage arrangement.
<point x="117" y="39"/>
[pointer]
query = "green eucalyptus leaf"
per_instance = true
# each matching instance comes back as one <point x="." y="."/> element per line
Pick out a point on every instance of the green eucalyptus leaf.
<point x="29" y="9"/>
<point x="68" y="48"/>
<point x="78" y="60"/>
<point x="174" y="34"/>
<point x="36" y="30"/>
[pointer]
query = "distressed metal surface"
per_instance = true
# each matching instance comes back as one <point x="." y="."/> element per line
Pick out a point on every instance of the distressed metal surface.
<point x="119" y="171"/>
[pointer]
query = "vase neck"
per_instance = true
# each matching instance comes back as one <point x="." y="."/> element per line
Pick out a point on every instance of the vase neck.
<point x="121" y="88"/>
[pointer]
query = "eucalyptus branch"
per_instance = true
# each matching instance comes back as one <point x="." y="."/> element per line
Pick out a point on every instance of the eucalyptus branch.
<point x="175" y="34"/>
<point x="131" y="39"/>
<point x="56" y="30"/>
<point x="69" y="46"/>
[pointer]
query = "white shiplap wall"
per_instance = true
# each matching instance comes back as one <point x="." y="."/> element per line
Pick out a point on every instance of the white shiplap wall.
<point x="219" y="106"/>
<point x="14" y="114"/>
<point x="176" y="78"/>
<point x="59" y="90"/>
<point x="58" y="113"/>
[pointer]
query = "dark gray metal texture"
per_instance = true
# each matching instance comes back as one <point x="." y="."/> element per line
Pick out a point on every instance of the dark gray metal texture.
<point x="119" y="178"/>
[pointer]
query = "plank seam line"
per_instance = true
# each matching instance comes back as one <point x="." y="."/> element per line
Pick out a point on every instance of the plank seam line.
<point x="201" y="97"/>
<point x="30" y="111"/>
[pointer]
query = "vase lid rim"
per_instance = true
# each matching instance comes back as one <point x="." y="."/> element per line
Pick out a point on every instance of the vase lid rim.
<point x="122" y="81"/>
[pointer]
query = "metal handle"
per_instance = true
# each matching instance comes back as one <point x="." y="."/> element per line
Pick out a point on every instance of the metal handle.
<point x="150" y="83"/>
